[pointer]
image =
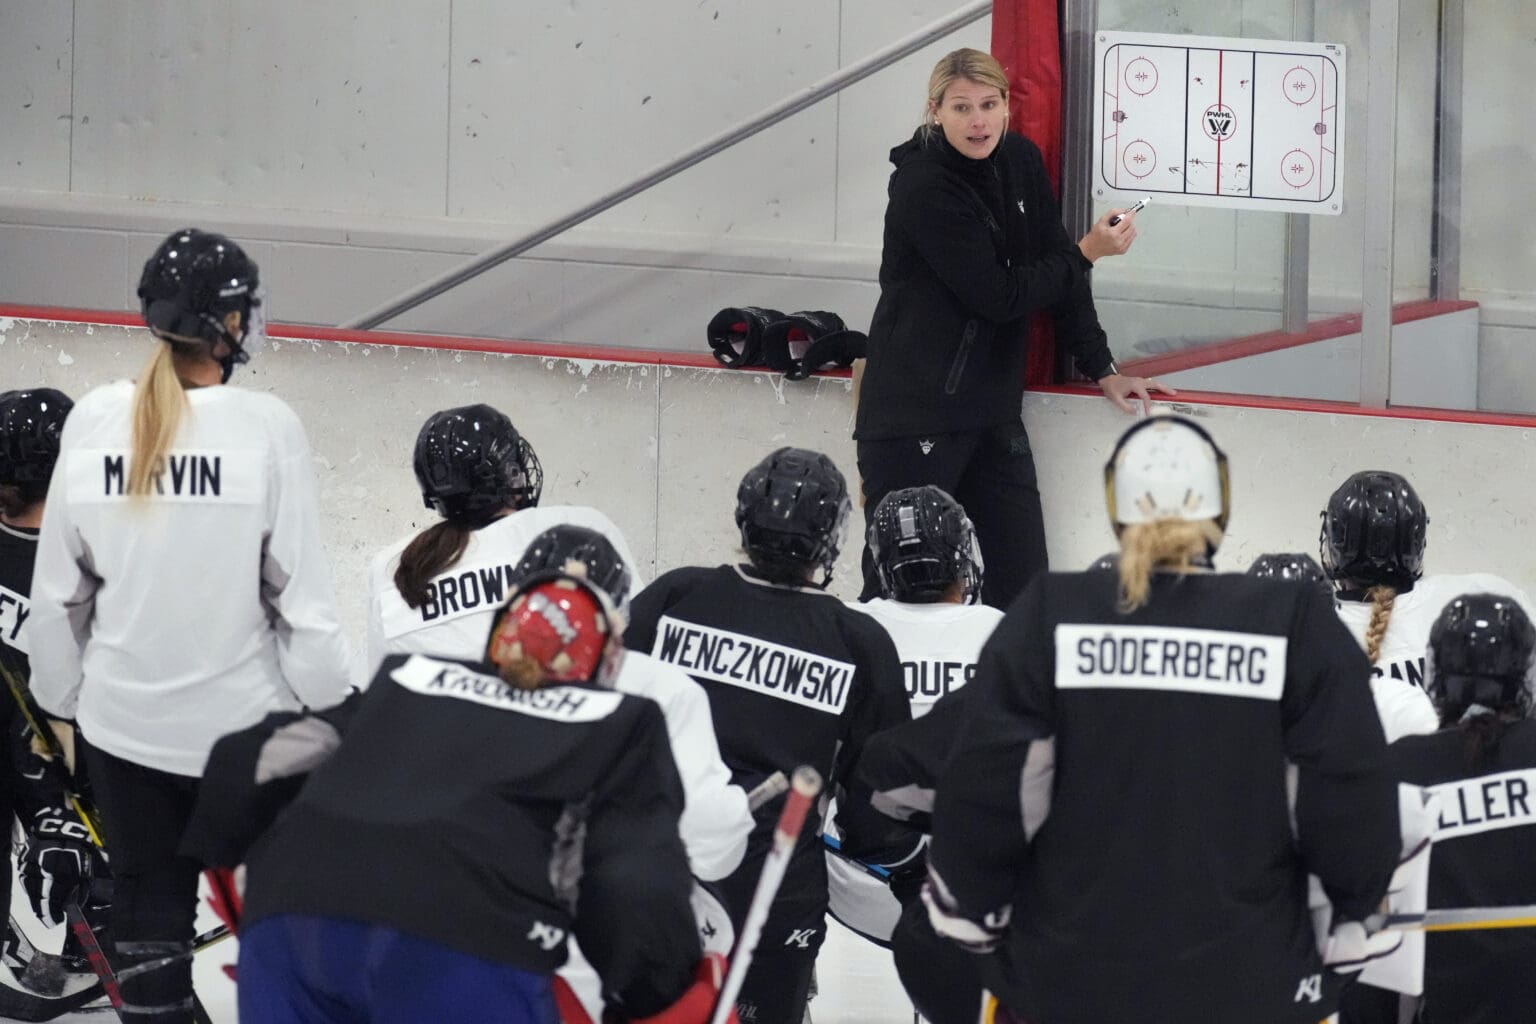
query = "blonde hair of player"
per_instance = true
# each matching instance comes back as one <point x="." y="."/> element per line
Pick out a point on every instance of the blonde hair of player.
<point x="1177" y="545"/>
<point x="160" y="399"/>
<point x="965" y="63"/>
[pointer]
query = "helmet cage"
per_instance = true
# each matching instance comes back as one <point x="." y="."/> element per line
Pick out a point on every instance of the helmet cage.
<point x="471" y="463"/>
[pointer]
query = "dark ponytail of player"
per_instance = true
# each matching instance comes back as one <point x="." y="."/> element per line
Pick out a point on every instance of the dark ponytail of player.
<point x="429" y="553"/>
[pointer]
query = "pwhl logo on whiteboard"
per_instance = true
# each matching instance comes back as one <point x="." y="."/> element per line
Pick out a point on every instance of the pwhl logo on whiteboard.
<point x="1220" y="122"/>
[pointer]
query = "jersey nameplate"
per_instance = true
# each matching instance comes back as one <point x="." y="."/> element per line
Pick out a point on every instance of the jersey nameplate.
<point x="927" y="680"/>
<point x="555" y="703"/>
<point x="810" y="680"/>
<point x="467" y="591"/>
<point x="1208" y="661"/>
<point x="14" y="609"/>
<point x="1409" y="670"/>
<point x="1486" y="803"/>
<point x="101" y="475"/>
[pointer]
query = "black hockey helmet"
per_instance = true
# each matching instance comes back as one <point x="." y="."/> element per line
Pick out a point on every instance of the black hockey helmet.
<point x="1291" y="565"/>
<point x="1481" y="649"/>
<point x="193" y="284"/>
<point x="31" y="422"/>
<point x="792" y="509"/>
<point x="1373" y="531"/>
<point x="594" y="556"/>
<point x="471" y="463"/>
<point x="922" y="542"/>
<point x="1109" y="562"/>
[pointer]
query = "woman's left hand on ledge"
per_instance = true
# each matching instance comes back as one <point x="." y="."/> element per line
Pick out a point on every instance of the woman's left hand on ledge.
<point x="1119" y="388"/>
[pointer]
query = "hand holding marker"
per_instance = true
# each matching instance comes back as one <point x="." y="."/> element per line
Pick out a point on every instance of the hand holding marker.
<point x="1117" y="218"/>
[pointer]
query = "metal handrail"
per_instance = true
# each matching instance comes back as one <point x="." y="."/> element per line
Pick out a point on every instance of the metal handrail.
<point x="806" y="97"/>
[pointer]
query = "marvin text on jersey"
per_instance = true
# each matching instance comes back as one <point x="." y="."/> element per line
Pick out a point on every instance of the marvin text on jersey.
<point x="186" y="475"/>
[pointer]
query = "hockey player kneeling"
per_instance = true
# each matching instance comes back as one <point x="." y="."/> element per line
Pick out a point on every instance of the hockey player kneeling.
<point x="469" y="818"/>
<point x="1113" y="830"/>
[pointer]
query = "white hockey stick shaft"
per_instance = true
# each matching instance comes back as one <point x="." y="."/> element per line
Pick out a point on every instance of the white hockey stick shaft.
<point x="804" y="787"/>
<point x="1456" y="919"/>
<point x="768" y="789"/>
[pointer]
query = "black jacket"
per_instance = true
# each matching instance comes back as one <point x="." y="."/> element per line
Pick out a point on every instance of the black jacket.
<point x="972" y="248"/>
<point x="495" y="821"/>
<point x="1119" y="783"/>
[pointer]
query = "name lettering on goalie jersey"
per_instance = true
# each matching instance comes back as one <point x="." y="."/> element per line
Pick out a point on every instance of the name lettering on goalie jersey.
<point x="101" y="475"/>
<point x="1485" y="804"/>
<point x="14" y="610"/>
<point x="1208" y="661"/>
<point x="927" y="681"/>
<point x="555" y="703"/>
<point x="810" y="680"/>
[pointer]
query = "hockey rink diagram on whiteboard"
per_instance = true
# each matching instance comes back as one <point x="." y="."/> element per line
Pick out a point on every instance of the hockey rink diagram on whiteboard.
<point x="1241" y="123"/>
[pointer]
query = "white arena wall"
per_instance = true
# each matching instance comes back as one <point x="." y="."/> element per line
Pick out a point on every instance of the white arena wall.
<point x="660" y="447"/>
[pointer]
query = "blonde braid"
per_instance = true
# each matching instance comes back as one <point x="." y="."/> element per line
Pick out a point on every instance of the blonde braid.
<point x="1382" y="600"/>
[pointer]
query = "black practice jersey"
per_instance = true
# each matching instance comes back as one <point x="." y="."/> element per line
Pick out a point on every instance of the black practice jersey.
<point x="1484" y="856"/>
<point x="1118" y="787"/>
<point x="18" y="553"/>
<point x="793" y="676"/>
<point x="493" y="820"/>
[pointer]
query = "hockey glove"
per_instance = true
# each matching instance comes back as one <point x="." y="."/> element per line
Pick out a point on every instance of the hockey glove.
<point x="697" y="1002"/>
<point x="1351" y="947"/>
<point x="736" y="334"/>
<point x="786" y="340"/>
<point x="56" y="862"/>
<point x="971" y="935"/>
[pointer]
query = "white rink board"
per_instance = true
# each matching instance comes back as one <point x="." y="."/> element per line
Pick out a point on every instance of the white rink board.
<point x="660" y="449"/>
<point x="1208" y="121"/>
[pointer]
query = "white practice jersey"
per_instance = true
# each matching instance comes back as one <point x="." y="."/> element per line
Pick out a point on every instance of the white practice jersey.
<point x="456" y="619"/>
<point x="1397" y="680"/>
<point x="938" y="645"/>
<point x="162" y="623"/>
<point x="716" y="821"/>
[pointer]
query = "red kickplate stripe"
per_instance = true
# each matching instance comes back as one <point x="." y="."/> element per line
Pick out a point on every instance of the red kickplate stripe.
<point x="1402" y="412"/>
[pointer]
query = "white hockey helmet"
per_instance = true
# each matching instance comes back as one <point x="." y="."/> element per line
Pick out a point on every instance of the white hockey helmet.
<point x="1166" y="467"/>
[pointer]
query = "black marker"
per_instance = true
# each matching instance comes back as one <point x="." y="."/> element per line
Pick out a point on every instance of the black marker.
<point x="1117" y="218"/>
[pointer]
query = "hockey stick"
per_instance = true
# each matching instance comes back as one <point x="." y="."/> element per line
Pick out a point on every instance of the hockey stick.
<point x="767" y="790"/>
<point x="835" y="848"/>
<point x="50" y="743"/>
<point x="79" y="926"/>
<point x="804" y="788"/>
<point x="1458" y="919"/>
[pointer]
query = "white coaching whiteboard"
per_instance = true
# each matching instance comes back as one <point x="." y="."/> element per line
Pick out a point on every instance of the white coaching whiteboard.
<point x="1206" y="121"/>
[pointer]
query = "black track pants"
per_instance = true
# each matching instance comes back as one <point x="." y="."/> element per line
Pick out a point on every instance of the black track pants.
<point x="992" y="474"/>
